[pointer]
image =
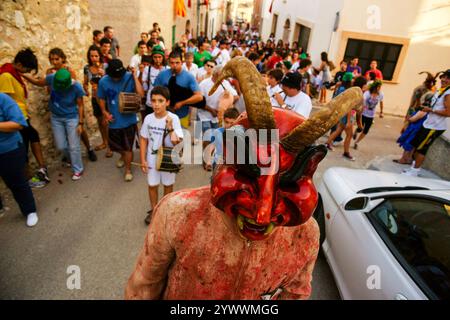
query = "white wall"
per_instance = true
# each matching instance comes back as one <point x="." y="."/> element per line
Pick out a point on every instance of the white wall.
<point x="424" y="22"/>
<point x="319" y="15"/>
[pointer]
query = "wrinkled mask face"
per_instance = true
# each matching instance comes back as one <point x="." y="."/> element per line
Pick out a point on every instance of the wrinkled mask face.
<point x="272" y="187"/>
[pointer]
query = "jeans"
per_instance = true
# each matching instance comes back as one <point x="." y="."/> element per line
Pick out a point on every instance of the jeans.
<point x="12" y="171"/>
<point x="67" y="140"/>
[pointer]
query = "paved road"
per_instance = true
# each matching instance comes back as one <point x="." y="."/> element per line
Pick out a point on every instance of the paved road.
<point x="97" y="224"/>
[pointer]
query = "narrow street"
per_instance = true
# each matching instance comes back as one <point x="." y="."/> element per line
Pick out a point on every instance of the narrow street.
<point x="97" y="224"/>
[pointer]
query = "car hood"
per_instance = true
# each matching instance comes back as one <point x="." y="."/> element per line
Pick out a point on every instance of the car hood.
<point x="358" y="180"/>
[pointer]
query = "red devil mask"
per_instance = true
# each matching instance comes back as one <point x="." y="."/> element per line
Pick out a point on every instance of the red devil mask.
<point x="272" y="185"/>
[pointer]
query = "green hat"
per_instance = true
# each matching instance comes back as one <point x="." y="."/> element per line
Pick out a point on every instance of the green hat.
<point x="62" y="80"/>
<point x="158" y="50"/>
<point x="303" y="56"/>
<point x="348" y="76"/>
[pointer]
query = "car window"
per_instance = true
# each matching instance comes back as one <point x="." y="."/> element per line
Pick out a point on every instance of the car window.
<point x="418" y="233"/>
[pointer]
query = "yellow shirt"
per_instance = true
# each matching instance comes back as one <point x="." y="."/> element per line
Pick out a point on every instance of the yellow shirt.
<point x="12" y="87"/>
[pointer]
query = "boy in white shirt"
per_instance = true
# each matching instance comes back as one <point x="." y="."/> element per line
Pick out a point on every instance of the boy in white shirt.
<point x="293" y="98"/>
<point x="136" y="60"/>
<point x="274" y="77"/>
<point x="159" y="125"/>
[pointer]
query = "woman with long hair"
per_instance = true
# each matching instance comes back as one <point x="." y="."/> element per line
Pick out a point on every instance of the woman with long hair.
<point x="93" y="72"/>
<point x="325" y="67"/>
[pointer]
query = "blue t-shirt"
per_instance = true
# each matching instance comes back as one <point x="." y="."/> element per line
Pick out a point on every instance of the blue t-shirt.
<point x="184" y="79"/>
<point x="108" y="90"/>
<point x="64" y="103"/>
<point x="10" y="111"/>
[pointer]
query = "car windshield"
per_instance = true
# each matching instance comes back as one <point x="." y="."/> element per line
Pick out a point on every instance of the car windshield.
<point x="418" y="233"/>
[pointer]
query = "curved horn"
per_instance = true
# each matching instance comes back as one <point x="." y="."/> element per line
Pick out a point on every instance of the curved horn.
<point x="430" y="76"/>
<point x="313" y="128"/>
<point x="257" y="101"/>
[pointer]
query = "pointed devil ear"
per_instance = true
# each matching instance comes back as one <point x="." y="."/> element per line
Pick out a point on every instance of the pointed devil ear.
<point x="305" y="164"/>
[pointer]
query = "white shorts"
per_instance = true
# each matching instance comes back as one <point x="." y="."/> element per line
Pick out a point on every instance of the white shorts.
<point x="155" y="178"/>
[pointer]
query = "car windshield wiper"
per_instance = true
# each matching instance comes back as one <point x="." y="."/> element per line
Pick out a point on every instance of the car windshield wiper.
<point x="385" y="189"/>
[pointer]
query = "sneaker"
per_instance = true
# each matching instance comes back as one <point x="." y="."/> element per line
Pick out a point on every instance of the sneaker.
<point x="77" y="176"/>
<point x="329" y="147"/>
<point x="32" y="219"/>
<point x="66" y="163"/>
<point x="348" y="156"/>
<point x="412" y="172"/>
<point x="355" y="146"/>
<point x="128" y="177"/>
<point x="120" y="163"/>
<point x="42" y="174"/>
<point x="36" y="183"/>
<point x="92" y="156"/>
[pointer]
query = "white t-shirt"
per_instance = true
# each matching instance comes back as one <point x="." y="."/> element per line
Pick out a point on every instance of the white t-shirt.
<point x="435" y="121"/>
<point x="301" y="103"/>
<point x="271" y="91"/>
<point x="153" y="74"/>
<point x="213" y="100"/>
<point x="153" y="130"/>
<point x="135" y="61"/>
<point x="215" y="52"/>
<point x="193" y="70"/>
<point x="223" y="58"/>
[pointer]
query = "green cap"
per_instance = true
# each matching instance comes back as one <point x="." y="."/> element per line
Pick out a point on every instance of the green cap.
<point x="348" y="76"/>
<point x="62" y="80"/>
<point x="303" y="56"/>
<point x="158" y="50"/>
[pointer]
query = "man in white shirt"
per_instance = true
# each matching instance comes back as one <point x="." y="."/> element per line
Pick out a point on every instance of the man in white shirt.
<point x="208" y="116"/>
<point x="189" y="64"/>
<point x="215" y="51"/>
<point x="292" y="97"/>
<point x="434" y="126"/>
<point x="224" y="56"/>
<point x="137" y="58"/>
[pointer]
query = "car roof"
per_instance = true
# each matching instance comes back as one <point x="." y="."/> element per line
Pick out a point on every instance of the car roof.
<point x="371" y="181"/>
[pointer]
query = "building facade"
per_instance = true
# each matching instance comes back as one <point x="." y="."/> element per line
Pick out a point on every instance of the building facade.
<point x="405" y="40"/>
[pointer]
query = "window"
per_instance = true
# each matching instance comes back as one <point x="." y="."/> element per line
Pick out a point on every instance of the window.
<point x="386" y="54"/>
<point x="274" y="24"/>
<point x="417" y="231"/>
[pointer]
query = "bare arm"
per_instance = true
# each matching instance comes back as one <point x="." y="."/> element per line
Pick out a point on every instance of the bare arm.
<point x="10" y="126"/>
<point x="37" y="82"/>
<point x="443" y="113"/>
<point x="143" y="151"/>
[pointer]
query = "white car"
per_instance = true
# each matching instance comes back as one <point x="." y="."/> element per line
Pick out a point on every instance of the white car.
<point x="385" y="236"/>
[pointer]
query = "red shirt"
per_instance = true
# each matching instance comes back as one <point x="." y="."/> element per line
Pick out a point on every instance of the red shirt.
<point x="273" y="61"/>
<point x="377" y="72"/>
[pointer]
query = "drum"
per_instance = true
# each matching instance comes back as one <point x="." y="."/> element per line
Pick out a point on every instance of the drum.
<point x="129" y="102"/>
<point x="164" y="160"/>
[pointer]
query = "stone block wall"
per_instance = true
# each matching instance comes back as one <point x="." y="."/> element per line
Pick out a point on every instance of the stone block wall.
<point x="438" y="157"/>
<point x="43" y="25"/>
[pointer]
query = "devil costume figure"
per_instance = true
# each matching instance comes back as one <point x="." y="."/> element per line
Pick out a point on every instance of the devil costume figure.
<point x="250" y="234"/>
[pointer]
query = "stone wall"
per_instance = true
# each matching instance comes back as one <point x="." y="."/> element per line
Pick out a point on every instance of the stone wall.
<point x="438" y="156"/>
<point x="43" y="25"/>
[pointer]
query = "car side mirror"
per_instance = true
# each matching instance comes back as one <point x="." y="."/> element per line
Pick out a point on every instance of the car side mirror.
<point x="358" y="203"/>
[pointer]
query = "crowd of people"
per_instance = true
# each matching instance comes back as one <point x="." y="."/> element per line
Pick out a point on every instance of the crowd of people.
<point x="173" y="88"/>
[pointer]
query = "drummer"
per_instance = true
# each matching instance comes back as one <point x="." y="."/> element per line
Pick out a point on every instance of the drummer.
<point x="122" y="127"/>
<point x="159" y="125"/>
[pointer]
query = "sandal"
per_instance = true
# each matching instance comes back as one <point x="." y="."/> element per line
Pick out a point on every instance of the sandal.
<point x="100" y="147"/>
<point x="109" y="154"/>
<point x="400" y="162"/>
